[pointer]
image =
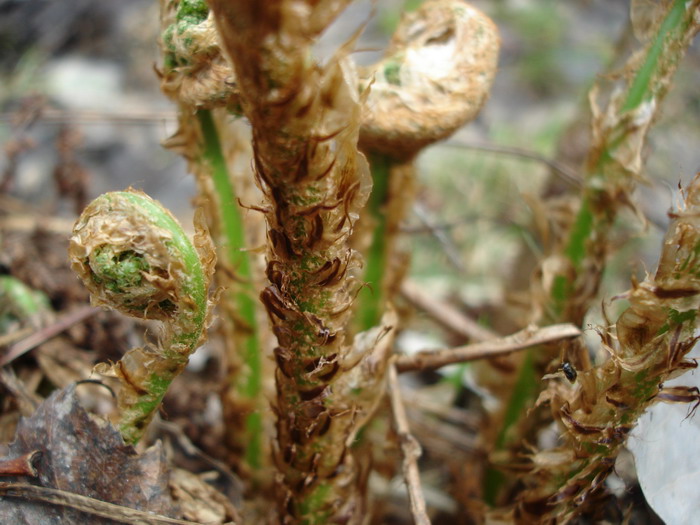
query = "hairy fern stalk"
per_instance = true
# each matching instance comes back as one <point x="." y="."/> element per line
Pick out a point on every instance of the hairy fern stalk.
<point x="571" y="275"/>
<point x="305" y="123"/>
<point x="597" y="411"/>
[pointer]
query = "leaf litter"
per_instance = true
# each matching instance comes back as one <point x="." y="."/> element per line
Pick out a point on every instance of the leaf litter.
<point x="83" y="466"/>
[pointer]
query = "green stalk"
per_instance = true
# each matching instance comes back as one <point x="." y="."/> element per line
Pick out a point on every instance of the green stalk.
<point x="643" y="87"/>
<point x="598" y="211"/>
<point x="371" y="298"/>
<point x="522" y="396"/>
<point x="233" y="231"/>
<point x="608" y="179"/>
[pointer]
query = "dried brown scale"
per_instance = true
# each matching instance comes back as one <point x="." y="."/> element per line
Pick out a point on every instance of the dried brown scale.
<point x="198" y="75"/>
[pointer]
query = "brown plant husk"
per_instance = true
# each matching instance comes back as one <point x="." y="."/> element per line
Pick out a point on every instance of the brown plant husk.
<point x="196" y="73"/>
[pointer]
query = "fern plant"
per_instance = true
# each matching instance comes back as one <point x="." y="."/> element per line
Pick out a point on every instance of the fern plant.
<point x="311" y="328"/>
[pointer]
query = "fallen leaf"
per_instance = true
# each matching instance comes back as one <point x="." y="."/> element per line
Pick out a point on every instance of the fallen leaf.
<point x="85" y="455"/>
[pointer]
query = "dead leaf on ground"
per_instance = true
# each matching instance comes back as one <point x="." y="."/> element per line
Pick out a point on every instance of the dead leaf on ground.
<point x="84" y="455"/>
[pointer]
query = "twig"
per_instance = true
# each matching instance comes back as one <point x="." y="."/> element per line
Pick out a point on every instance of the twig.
<point x="559" y="169"/>
<point x="86" y="504"/>
<point x="16" y="335"/>
<point x="444" y="314"/>
<point x="530" y="336"/>
<point x="455" y="416"/>
<point x="20" y="466"/>
<point x="410" y="449"/>
<point x="27" y="401"/>
<point x="40" y="336"/>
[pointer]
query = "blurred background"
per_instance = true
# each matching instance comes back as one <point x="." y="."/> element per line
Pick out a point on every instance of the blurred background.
<point x="78" y="77"/>
<point x="81" y="113"/>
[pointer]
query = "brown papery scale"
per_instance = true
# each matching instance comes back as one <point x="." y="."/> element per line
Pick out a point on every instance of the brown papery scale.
<point x="648" y="347"/>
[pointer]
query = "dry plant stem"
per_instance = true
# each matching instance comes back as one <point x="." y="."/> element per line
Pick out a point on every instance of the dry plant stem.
<point x="15" y="335"/>
<point x="560" y="170"/>
<point x="597" y="412"/>
<point x="531" y="336"/>
<point x="446" y="243"/>
<point x="90" y="506"/>
<point x="64" y="322"/>
<point x="410" y="449"/>
<point x="134" y="256"/>
<point x="20" y="466"/>
<point x="305" y="122"/>
<point x="445" y="314"/>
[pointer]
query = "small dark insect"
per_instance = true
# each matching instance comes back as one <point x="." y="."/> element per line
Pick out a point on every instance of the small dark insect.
<point x="569" y="371"/>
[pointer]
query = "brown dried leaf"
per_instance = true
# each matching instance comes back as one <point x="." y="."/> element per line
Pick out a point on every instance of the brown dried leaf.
<point x="84" y="455"/>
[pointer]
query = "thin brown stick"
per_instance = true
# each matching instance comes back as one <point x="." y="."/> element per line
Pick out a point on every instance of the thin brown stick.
<point x="444" y="314"/>
<point x="33" y="222"/>
<point x="448" y="245"/>
<point x="410" y="449"/>
<point x="530" y="336"/>
<point x="86" y="504"/>
<point x="40" y="336"/>
<point x="27" y="401"/>
<point x="13" y="337"/>
<point x="20" y="466"/>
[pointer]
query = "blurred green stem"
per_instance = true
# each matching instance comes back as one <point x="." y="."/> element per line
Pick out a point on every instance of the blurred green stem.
<point x="371" y="298"/>
<point x="249" y="386"/>
<point x="606" y="176"/>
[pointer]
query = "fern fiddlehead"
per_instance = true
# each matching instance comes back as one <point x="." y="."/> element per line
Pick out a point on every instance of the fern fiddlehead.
<point x="134" y="256"/>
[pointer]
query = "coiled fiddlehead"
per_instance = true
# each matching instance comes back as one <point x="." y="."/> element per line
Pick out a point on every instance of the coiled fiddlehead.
<point x="134" y="256"/>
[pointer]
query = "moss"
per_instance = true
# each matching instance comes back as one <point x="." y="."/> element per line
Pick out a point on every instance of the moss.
<point x="675" y="318"/>
<point x="168" y="37"/>
<point x="312" y="507"/>
<point x="192" y="11"/>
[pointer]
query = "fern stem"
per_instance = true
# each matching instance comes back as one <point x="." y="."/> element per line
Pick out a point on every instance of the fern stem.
<point x="371" y="299"/>
<point x="250" y="384"/>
